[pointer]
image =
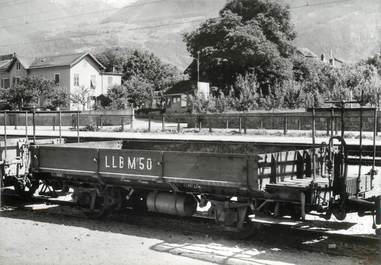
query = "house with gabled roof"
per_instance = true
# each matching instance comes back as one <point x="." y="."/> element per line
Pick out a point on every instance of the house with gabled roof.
<point x="70" y="71"/>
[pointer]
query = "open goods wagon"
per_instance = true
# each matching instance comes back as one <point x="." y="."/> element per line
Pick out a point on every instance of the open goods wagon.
<point x="14" y="158"/>
<point x="105" y="176"/>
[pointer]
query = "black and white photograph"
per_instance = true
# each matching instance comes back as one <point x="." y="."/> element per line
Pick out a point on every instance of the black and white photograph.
<point x="192" y="132"/>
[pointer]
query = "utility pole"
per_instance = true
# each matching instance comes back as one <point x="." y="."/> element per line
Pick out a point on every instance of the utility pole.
<point x="198" y="67"/>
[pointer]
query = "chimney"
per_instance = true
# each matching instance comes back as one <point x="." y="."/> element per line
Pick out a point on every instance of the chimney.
<point x="332" y="59"/>
<point x="113" y="69"/>
<point x="322" y="57"/>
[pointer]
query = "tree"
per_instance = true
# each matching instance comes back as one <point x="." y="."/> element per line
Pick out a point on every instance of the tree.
<point x="140" y="66"/>
<point x="118" y="97"/>
<point x="28" y="91"/>
<point x="134" y="92"/>
<point x="249" y="36"/>
<point x="58" y="97"/>
<point x="139" y="92"/>
<point x="80" y="96"/>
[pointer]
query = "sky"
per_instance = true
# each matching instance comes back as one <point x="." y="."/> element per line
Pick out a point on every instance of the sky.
<point x="119" y="3"/>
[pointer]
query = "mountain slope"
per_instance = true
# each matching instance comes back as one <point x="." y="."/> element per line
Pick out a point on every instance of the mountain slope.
<point x="348" y="28"/>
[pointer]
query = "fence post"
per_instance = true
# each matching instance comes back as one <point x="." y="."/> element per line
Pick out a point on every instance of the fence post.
<point x="26" y="126"/>
<point x="132" y="119"/>
<point x="60" y="125"/>
<point x="162" y="122"/>
<point x="54" y="123"/>
<point x="78" y="126"/>
<point x="5" y="137"/>
<point x="299" y="127"/>
<point x="122" y="123"/>
<point x="240" y="124"/>
<point x="178" y="126"/>
<point x="199" y="124"/>
<point x="149" y="123"/>
<point x="16" y="120"/>
<point x="327" y="121"/>
<point x="285" y="125"/>
<point x="227" y="123"/>
<point x="332" y="121"/>
<point x="335" y="122"/>
<point x="245" y="125"/>
<point x="261" y="123"/>
<point x="34" y="125"/>
<point x="210" y="124"/>
<point x="272" y="121"/>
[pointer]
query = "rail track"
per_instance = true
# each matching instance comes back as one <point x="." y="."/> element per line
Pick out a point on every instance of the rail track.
<point x="276" y="235"/>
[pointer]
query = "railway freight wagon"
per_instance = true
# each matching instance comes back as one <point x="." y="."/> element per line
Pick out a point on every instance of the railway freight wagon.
<point x="105" y="176"/>
<point x="14" y="158"/>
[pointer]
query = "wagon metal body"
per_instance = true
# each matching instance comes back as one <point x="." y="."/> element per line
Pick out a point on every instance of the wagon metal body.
<point x="279" y="184"/>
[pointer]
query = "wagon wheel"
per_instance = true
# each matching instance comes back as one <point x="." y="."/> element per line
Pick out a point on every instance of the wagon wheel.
<point x="102" y="206"/>
<point x="247" y="228"/>
<point x="100" y="211"/>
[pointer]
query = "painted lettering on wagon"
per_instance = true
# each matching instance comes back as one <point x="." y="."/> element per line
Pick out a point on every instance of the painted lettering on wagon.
<point x="132" y="163"/>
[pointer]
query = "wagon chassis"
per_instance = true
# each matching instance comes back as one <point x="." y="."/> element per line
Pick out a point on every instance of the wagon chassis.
<point x="237" y="186"/>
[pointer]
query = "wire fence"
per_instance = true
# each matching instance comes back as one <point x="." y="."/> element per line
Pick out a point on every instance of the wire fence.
<point x="329" y="122"/>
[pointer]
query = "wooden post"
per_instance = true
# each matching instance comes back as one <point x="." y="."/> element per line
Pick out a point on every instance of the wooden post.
<point x="178" y="126"/>
<point x="5" y="137"/>
<point x="26" y="126"/>
<point x="261" y="123"/>
<point x="245" y="125"/>
<point x="162" y="123"/>
<point x="210" y="124"/>
<point x="335" y="122"/>
<point x="54" y="123"/>
<point x="299" y="127"/>
<point x="332" y="121"/>
<point x="285" y="125"/>
<point x="34" y="125"/>
<point x="122" y="123"/>
<point x="16" y="120"/>
<point x="313" y="144"/>
<point x="227" y="123"/>
<point x="78" y="127"/>
<point x="149" y="123"/>
<point x="132" y="119"/>
<point x="60" y="125"/>
<point x="327" y="122"/>
<point x="240" y="124"/>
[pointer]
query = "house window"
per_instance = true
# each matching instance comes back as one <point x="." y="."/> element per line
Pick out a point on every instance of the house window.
<point x="93" y="81"/>
<point x="57" y="79"/>
<point x="183" y="101"/>
<point x="5" y="83"/>
<point x="18" y="66"/>
<point x="109" y="80"/>
<point x="76" y="79"/>
<point x="15" y="80"/>
<point x="176" y="100"/>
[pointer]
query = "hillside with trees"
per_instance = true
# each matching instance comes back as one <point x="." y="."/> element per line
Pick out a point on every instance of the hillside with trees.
<point x="248" y="55"/>
<point x="350" y="28"/>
